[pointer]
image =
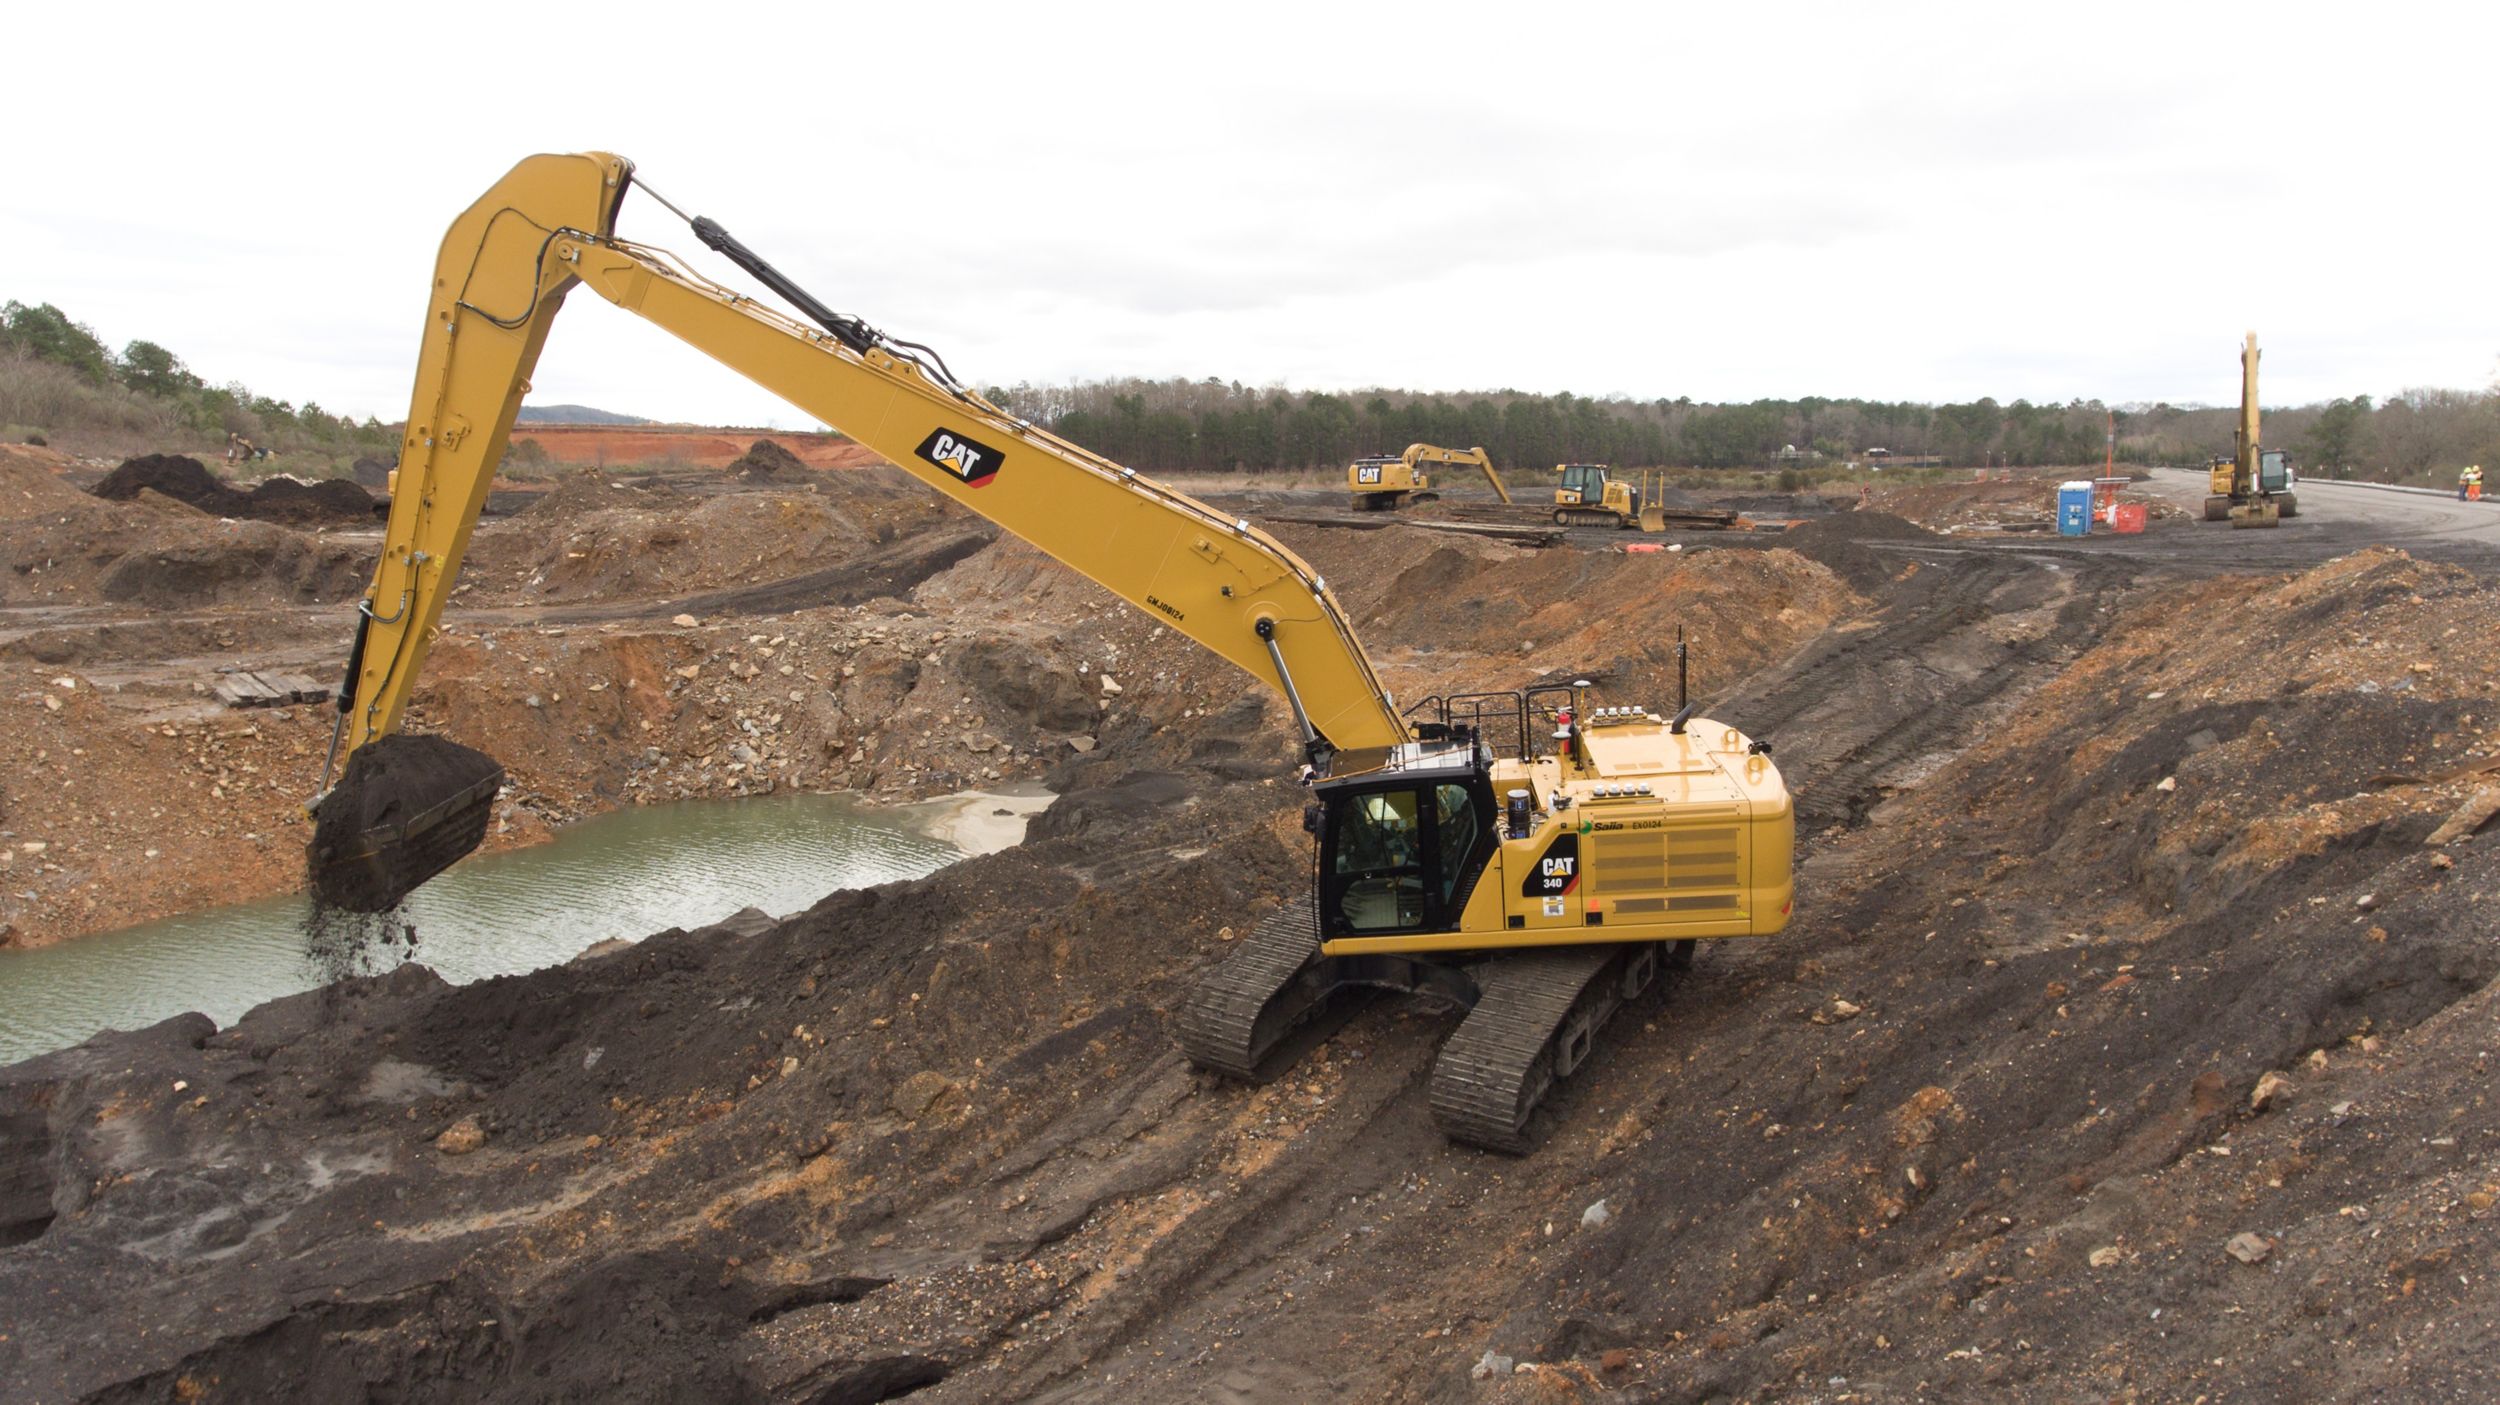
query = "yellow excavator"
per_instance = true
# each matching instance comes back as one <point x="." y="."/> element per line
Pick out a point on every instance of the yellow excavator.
<point x="1380" y="482"/>
<point x="2253" y="487"/>
<point x="1519" y="854"/>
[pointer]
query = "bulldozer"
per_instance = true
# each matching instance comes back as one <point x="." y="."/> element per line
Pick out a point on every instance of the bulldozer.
<point x="1379" y="482"/>
<point x="1587" y="495"/>
<point x="1531" y="856"/>
<point x="2252" y="487"/>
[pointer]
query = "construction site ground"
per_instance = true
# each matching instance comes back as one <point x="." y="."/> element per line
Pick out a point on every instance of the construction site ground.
<point x="2131" y="1039"/>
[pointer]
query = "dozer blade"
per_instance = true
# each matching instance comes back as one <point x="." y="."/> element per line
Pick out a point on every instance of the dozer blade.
<point x="407" y="808"/>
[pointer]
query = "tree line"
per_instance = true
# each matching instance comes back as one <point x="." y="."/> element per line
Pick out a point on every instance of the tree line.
<point x="61" y="374"/>
<point x="1213" y="425"/>
<point x="58" y="372"/>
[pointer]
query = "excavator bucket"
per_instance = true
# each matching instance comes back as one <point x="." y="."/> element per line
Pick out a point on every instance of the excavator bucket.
<point x="407" y="808"/>
<point x="2261" y="513"/>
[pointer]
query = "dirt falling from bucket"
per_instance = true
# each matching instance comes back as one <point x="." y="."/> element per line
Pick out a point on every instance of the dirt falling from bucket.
<point x="406" y="808"/>
<point x="340" y="942"/>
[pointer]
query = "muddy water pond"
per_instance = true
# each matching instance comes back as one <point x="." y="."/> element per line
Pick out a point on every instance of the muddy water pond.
<point x="626" y="874"/>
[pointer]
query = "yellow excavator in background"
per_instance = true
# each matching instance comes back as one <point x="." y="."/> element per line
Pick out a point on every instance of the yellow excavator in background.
<point x="1379" y="482"/>
<point x="1517" y="853"/>
<point x="2253" y="487"/>
<point x="1587" y="497"/>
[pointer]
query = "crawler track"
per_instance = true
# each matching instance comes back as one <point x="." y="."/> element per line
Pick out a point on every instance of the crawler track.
<point x="1589" y="517"/>
<point x="1243" y="1008"/>
<point x="1534" y="1022"/>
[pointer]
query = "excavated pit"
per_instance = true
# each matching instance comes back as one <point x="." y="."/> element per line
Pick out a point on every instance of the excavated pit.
<point x="2091" y="852"/>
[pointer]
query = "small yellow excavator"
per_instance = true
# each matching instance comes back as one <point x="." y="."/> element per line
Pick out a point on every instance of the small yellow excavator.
<point x="1380" y="482"/>
<point x="1521" y="854"/>
<point x="2253" y="487"/>
<point x="1586" y="496"/>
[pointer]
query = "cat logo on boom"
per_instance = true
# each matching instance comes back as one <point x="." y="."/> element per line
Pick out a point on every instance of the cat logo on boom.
<point x="969" y="459"/>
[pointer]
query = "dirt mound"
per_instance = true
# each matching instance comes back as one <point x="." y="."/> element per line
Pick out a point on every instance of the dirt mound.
<point x="217" y="563"/>
<point x="1839" y="542"/>
<point x="280" y="499"/>
<point x="178" y="477"/>
<point x="606" y="446"/>
<point x="155" y="552"/>
<point x="1470" y="615"/>
<point x="374" y="473"/>
<point x="593" y="490"/>
<point x="768" y="462"/>
<point x="31" y="484"/>
<point x="326" y="500"/>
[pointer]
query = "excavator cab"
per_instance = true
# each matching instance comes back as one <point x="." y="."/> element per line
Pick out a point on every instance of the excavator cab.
<point x="1401" y="853"/>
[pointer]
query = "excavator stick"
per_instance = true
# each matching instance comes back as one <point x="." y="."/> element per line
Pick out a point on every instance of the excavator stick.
<point x="407" y="808"/>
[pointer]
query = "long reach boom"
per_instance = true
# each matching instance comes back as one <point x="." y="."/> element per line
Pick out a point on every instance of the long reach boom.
<point x="504" y="270"/>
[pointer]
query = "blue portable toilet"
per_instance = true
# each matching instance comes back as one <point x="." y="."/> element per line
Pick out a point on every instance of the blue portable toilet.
<point x="2074" y="508"/>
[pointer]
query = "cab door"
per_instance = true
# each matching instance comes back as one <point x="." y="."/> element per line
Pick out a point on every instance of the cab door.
<point x="1402" y="859"/>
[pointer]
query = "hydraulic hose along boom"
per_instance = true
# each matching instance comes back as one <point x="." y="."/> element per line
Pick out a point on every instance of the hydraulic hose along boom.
<point x="1539" y="886"/>
<point x="505" y="269"/>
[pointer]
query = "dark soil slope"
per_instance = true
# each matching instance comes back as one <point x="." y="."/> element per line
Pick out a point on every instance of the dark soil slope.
<point x="2130" y="1042"/>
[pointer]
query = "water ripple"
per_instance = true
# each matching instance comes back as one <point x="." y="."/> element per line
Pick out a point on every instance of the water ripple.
<point x="627" y="874"/>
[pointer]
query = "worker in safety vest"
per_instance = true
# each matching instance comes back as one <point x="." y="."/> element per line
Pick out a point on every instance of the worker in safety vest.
<point x="2470" y="483"/>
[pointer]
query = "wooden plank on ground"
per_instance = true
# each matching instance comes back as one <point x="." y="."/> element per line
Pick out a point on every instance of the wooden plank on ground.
<point x="295" y="687"/>
<point x="247" y="689"/>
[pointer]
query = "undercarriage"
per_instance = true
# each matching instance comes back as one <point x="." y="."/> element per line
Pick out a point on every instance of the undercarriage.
<point x="1531" y="1018"/>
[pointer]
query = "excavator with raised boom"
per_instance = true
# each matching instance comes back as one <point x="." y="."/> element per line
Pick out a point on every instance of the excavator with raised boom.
<point x="1381" y="481"/>
<point x="1514" y="853"/>
<point x="2253" y="487"/>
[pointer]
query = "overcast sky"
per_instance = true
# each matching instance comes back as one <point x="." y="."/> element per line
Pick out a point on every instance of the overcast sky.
<point x="1928" y="203"/>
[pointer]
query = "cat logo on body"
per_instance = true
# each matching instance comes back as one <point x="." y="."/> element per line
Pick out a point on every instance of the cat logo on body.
<point x="1557" y="871"/>
<point x="1367" y="473"/>
<point x="969" y="459"/>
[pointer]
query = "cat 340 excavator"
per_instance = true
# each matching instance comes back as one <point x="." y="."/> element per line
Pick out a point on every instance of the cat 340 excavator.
<point x="1513" y="853"/>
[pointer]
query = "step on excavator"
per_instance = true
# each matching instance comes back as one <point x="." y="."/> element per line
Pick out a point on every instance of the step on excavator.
<point x="1522" y="855"/>
<point x="2253" y="487"/>
<point x="1379" y="482"/>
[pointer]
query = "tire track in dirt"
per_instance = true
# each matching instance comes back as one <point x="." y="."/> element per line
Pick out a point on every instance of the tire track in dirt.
<point x="1953" y="643"/>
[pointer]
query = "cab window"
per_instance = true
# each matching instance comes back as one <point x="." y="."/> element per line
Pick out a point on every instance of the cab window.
<point x="1378" y="863"/>
<point x="1461" y="827"/>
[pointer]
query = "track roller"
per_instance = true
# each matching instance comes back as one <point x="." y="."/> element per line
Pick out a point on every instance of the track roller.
<point x="1534" y="1021"/>
<point x="1275" y="983"/>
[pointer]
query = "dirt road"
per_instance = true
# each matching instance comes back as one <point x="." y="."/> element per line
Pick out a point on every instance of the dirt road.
<point x="2347" y="516"/>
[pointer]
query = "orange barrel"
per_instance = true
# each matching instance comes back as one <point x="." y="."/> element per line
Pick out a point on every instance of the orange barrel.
<point x="2128" y="517"/>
